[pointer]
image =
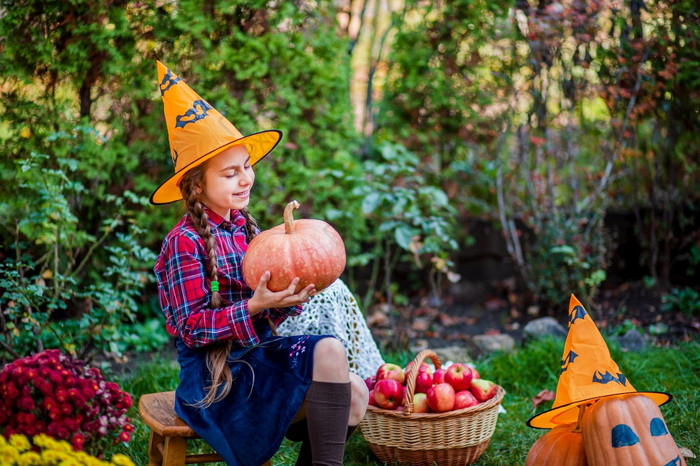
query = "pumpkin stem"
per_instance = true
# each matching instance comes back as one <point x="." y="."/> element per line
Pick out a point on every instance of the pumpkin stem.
<point x="581" y="410"/>
<point x="289" y="217"/>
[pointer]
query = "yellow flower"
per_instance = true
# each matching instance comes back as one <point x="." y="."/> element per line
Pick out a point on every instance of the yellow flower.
<point x="8" y="455"/>
<point x="20" y="442"/>
<point x="29" y="458"/>
<point x="53" y="456"/>
<point x="42" y="440"/>
<point x="69" y="462"/>
<point x="122" y="460"/>
<point x="26" y="132"/>
<point x="88" y="460"/>
<point x="49" y="443"/>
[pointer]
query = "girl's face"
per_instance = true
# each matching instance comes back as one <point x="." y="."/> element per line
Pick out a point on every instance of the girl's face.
<point x="228" y="178"/>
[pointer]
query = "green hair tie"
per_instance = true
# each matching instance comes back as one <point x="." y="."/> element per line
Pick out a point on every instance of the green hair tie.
<point x="214" y="286"/>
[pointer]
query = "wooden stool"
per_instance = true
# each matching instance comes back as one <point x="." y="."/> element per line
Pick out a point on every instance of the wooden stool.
<point x="167" y="444"/>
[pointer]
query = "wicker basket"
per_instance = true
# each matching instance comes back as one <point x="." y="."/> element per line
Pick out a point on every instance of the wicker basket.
<point x="452" y="438"/>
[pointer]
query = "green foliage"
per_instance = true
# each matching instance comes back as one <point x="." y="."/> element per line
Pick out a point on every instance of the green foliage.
<point x="412" y="220"/>
<point x="441" y="83"/>
<point x="567" y="253"/>
<point x="83" y="130"/>
<point x="685" y="300"/>
<point x="50" y="297"/>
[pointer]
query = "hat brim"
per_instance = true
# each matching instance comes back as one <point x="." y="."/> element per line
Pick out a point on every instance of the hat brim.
<point x="260" y="144"/>
<point x="568" y="413"/>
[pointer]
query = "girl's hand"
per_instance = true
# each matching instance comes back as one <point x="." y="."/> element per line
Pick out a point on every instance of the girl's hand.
<point x="263" y="298"/>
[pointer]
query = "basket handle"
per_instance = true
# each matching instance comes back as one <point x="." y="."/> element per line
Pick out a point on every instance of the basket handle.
<point x="413" y="373"/>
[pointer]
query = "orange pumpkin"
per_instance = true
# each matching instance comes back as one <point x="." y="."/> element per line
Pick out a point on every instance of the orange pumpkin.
<point x="561" y="446"/>
<point x="309" y="249"/>
<point x="628" y="430"/>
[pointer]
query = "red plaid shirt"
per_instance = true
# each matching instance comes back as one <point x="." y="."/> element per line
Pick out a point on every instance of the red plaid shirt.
<point x="184" y="288"/>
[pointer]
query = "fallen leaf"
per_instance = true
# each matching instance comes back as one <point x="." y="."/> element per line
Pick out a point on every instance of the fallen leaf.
<point x="420" y="325"/>
<point x="686" y="452"/>
<point x="544" y="395"/>
<point x="446" y="320"/>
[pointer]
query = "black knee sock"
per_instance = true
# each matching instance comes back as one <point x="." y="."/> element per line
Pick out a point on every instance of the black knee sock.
<point x="327" y="413"/>
<point x="351" y="429"/>
<point x="298" y="433"/>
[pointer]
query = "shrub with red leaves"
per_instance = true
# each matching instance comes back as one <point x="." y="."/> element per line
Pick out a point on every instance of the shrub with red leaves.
<point x="55" y="394"/>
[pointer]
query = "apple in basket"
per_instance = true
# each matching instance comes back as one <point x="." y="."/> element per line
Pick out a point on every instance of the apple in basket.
<point x="390" y="370"/>
<point x="441" y="397"/>
<point x="483" y="389"/>
<point x="387" y="393"/>
<point x="424" y="367"/>
<point x="439" y="376"/>
<point x="464" y="399"/>
<point x="459" y="376"/>
<point x="371" y="401"/>
<point x="370" y="381"/>
<point x="475" y="373"/>
<point x="423" y="382"/>
<point x="420" y="403"/>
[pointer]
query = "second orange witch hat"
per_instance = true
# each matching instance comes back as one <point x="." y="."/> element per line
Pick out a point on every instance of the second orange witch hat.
<point x="588" y="372"/>
<point x="198" y="132"/>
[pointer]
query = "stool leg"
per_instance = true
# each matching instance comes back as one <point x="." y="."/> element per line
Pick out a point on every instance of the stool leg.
<point x="268" y="463"/>
<point x="155" y="457"/>
<point x="175" y="451"/>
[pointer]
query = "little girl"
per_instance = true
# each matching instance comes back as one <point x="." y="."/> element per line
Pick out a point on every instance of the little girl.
<point x="241" y="385"/>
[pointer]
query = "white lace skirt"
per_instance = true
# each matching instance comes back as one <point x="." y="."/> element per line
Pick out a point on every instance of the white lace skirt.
<point x="335" y="312"/>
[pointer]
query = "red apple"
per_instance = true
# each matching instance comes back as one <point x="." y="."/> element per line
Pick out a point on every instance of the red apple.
<point x="387" y="393"/>
<point x="441" y="397"/>
<point x="370" y="381"/>
<point x="390" y="371"/>
<point x="464" y="399"/>
<point x="424" y="367"/>
<point x="439" y="376"/>
<point x="372" y="401"/>
<point x="423" y="382"/>
<point x="483" y="389"/>
<point x="475" y="372"/>
<point x="459" y="376"/>
<point x="420" y="403"/>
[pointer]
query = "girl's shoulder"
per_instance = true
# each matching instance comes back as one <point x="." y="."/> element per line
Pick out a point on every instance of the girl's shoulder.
<point x="183" y="236"/>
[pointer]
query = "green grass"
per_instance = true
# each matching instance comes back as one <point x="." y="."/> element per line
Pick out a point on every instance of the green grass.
<point x="523" y="374"/>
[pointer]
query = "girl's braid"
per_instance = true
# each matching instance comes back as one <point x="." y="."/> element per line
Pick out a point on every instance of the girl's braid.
<point x="217" y="354"/>
<point x="199" y="217"/>
<point x="251" y="226"/>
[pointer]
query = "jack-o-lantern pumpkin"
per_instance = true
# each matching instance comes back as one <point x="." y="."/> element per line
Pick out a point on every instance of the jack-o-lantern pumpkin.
<point x="561" y="446"/>
<point x="628" y="430"/>
<point x="309" y="249"/>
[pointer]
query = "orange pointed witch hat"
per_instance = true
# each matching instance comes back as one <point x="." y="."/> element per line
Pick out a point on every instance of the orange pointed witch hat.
<point x="197" y="132"/>
<point x="588" y="373"/>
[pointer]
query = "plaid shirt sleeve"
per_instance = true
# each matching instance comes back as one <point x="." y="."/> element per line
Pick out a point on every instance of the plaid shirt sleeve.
<point x="188" y="300"/>
<point x="280" y="314"/>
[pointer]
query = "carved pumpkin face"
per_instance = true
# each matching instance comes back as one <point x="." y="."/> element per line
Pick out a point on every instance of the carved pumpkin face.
<point x="628" y="430"/>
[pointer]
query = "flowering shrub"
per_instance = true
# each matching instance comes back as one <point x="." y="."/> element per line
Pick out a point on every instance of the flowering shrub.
<point x="45" y="451"/>
<point x="54" y="394"/>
